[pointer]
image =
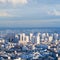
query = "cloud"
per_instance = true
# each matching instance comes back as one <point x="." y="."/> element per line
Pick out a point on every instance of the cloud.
<point x="5" y="14"/>
<point x="54" y="12"/>
<point x="3" y="1"/>
<point x="18" y="1"/>
<point x="14" y="1"/>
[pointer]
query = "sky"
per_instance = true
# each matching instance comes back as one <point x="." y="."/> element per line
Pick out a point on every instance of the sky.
<point x="29" y="13"/>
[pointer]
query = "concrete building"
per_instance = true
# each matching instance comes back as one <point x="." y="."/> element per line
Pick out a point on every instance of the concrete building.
<point x="50" y="38"/>
<point x="27" y="38"/>
<point x="31" y="35"/>
<point x="38" y="38"/>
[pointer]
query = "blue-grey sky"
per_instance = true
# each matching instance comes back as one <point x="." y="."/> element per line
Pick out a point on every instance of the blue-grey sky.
<point x="29" y="13"/>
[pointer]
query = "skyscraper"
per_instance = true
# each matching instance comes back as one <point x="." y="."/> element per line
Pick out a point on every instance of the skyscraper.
<point x="38" y="38"/>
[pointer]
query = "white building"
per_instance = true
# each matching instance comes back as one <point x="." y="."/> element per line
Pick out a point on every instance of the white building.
<point x="2" y="40"/>
<point x="38" y="38"/>
<point x="33" y="39"/>
<point x="31" y="35"/>
<point x="50" y="38"/>
<point x="27" y="38"/>
<point x="43" y="35"/>
<point x="16" y="36"/>
<point x="23" y="36"/>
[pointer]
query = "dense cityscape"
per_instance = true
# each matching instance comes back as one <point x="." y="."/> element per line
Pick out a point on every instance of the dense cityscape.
<point x="29" y="29"/>
<point x="31" y="46"/>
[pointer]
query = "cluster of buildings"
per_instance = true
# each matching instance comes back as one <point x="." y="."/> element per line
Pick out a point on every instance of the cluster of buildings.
<point x="31" y="46"/>
<point x="38" y="38"/>
<point x="31" y="38"/>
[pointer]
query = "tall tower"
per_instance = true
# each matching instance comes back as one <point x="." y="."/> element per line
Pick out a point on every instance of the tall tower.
<point x="50" y="38"/>
<point x="23" y="37"/>
<point x="31" y="35"/>
<point x="27" y="38"/>
<point x="38" y="38"/>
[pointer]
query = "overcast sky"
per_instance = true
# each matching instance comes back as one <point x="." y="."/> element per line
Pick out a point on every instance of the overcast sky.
<point x="29" y="13"/>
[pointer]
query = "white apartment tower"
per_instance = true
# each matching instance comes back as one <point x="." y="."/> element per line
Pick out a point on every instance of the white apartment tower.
<point x="23" y="36"/>
<point x="50" y="38"/>
<point x="27" y="38"/>
<point x="31" y="35"/>
<point x="38" y="38"/>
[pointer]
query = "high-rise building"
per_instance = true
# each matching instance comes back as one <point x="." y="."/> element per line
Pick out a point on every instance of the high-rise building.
<point x="50" y="38"/>
<point x="43" y="35"/>
<point x="27" y="38"/>
<point x="23" y="37"/>
<point x="31" y="35"/>
<point x="38" y="38"/>
<point x="33" y="39"/>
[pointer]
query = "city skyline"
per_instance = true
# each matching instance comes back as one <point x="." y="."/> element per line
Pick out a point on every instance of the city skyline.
<point x="29" y="13"/>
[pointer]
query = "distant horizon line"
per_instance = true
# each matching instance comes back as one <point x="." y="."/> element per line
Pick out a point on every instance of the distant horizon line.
<point x="29" y="27"/>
